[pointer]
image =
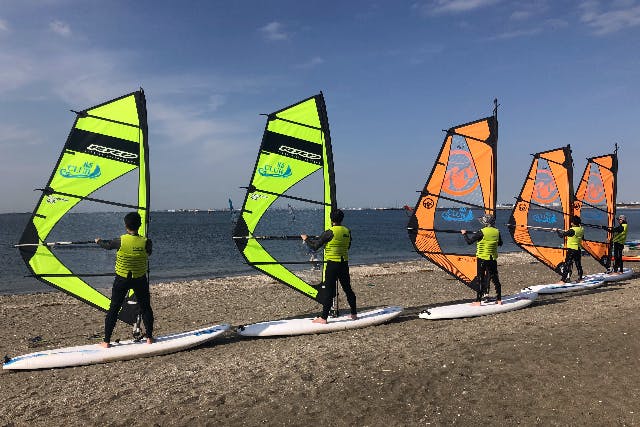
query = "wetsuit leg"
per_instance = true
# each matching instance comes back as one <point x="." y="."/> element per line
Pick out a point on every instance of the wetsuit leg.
<point x="577" y="258"/>
<point x="345" y="282"/>
<point x="617" y="256"/>
<point x="330" y="278"/>
<point x="566" y="268"/>
<point x="493" y="273"/>
<point x="482" y="277"/>
<point x="140" y="287"/>
<point x="118" y="293"/>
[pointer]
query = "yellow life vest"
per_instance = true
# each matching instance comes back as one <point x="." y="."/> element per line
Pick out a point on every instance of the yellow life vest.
<point x="621" y="237"/>
<point x="337" y="249"/>
<point x="132" y="256"/>
<point x="487" y="248"/>
<point x="573" y="242"/>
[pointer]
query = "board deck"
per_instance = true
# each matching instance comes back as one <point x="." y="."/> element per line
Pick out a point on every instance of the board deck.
<point x="456" y="311"/>
<point x="559" y="287"/>
<point x="306" y="326"/>
<point x="125" y="350"/>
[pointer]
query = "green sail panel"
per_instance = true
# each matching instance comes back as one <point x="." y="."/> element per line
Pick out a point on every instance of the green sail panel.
<point x="106" y="142"/>
<point x="295" y="145"/>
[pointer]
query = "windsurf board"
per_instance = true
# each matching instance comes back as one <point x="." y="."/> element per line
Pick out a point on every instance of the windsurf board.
<point x="306" y="326"/>
<point x="125" y="350"/>
<point x="455" y="311"/>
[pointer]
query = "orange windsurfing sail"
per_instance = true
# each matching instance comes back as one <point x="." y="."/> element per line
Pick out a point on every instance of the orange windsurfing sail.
<point x="460" y="188"/>
<point x="596" y="204"/>
<point x="545" y="204"/>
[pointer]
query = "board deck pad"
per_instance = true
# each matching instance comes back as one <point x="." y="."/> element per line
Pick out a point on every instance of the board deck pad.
<point x="306" y="326"/>
<point x="125" y="350"/>
<point x="456" y="311"/>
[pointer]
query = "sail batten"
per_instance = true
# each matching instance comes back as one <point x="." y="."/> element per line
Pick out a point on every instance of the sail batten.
<point x="106" y="142"/>
<point x="460" y="189"/>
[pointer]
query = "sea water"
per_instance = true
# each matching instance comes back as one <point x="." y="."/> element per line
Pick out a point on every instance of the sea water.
<point x="198" y="245"/>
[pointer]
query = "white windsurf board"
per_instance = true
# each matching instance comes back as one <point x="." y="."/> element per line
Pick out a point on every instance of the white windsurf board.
<point x="125" y="350"/>
<point x="611" y="277"/>
<point x="559" y="287"/>
<point x="306" y="326"/>
<point x="455" y="311"/>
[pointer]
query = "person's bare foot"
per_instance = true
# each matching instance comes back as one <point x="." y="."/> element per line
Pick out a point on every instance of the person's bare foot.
<point x="104" y="344"/>
<point x="320" y="320"/>
<point x="499" y="302"/>
<point x="476" y="303"/>
<point x="354" y="316"/>
<point x="150" y="340"/>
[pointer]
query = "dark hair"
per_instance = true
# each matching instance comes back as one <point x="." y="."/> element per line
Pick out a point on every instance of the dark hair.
<point x="576" y="220"/>
<point x="132" y="221"/>
<point x="336" y="216"/>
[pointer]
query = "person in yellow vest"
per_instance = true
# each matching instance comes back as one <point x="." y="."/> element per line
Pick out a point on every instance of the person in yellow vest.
<point x="488" y="239"/>
<point x="131" y="268"/>
<point x="619" y="237"/>
<point x="337" y="241"/>
<point x="574" y="236"/>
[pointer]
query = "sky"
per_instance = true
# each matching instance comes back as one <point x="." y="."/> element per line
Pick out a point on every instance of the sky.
<point x="394" y="75"/>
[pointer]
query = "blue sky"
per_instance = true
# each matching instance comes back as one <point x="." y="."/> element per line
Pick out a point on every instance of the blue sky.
<point x="394" y="74"/>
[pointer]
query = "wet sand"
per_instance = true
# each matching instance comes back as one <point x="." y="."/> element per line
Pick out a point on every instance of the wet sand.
<point x="569" y="359"/>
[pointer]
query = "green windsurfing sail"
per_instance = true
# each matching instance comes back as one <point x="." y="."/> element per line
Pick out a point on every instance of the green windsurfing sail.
<point x="106" y="142"/>
<point x="295" y="148"/>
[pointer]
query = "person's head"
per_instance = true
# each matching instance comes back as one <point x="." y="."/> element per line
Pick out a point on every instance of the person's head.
<point x="575" y="220"/>
<point x="336" y="216"/>
<point x="622" y="218"/>
<point x="132" y="221"/>
<point x="487" y="220"/>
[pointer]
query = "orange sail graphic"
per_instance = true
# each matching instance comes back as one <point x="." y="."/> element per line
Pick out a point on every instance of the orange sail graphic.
<point x="545" y="203"/>
<point x="460" y="188"/>
<point x="596" y="203"/>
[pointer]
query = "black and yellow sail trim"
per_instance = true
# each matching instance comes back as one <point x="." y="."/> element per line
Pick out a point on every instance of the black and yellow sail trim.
<point x="106" y="142"/>
<point x="296" y="144"/>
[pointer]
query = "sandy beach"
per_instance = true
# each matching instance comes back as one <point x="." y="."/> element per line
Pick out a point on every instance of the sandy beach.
<point x="569" y="359"/>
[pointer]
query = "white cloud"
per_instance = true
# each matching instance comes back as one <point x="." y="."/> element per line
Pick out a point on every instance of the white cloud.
<point x="10" y="134"/>
<point x="60" y="28"/>
<point x="313" y="62"/>
<point x="274" y="31"/>
<point x="453" y="6"/>
<point x="3" y="25"/>
<point x="621" y="15"/>
<point x="546" y="26"/>
<point x="16" y="70"/>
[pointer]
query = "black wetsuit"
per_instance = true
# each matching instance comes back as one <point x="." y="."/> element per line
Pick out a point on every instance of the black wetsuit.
<point x="121" y="286"/>
<point x="335" y="270"/>
<point x="486" y="269"/>
<point x="617" y="250"/>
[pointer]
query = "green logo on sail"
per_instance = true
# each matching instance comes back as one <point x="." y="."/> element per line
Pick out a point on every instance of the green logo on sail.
<point x="280" y="170"/>
<point x="87" y="170"/>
